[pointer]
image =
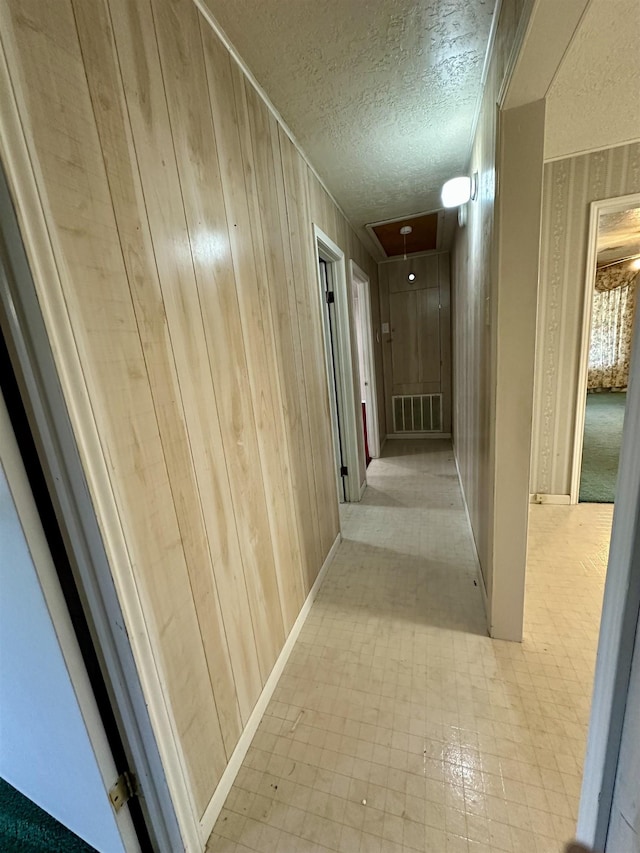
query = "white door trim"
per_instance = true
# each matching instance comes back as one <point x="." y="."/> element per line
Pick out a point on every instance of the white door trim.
<point x="39" y="329"/>
<point x="610" y="205"/>
<point x="337" y="436"/>
<point x="328" y="251"/>
<point x="620" y="610"/>
<point x="373" y="428"/>
<point x="25" y="507"/>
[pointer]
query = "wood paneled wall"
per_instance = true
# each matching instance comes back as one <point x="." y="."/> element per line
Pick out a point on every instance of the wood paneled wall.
<point x="474" y="291"/>
<point x="417" y="349"/>
<point x="180" y="216"/>
<point x="570" y="185"/>
<point x="335" y="226"/>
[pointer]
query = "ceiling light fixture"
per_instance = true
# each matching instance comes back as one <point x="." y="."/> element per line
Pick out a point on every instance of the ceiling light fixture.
<point x="407" y="229"/>
<point x="459" y="191"/>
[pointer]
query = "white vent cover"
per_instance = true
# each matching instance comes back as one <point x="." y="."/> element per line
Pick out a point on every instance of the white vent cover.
<point x="417" y="413"/>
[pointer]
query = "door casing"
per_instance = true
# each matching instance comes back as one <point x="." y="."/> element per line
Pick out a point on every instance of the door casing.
<point x="21" y="316"/>
<point x="609" y="205"/>
<point x="44" y="569"/>
<point x="345" y="396"/>
<point x="361" y="279"/>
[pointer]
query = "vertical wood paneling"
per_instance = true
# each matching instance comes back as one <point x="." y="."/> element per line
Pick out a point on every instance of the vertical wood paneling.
<point x="281" y="292"/>
<point x="417" y="349"/>
<point x="223" y="425"/>
<point x="429" y="340"/>
<point x="403" y="315"/>
<point x="265" y="384"/>
<point x="570" y="185"/>
<point x="365" y="263"/>
<point x="180" y="214"/>
<point x="59" y="114"/>
<point x="179" y="37"/>
<point x="343" y="230"/>
<point x="331" y="221"/>
<point x="255" y="539"/>
<point x="473" y="285"/>
<point x="385" y="317"/>
<point x="444" y="277"/>
<point x="297" y="269"/>
<point x="425" y="270"/>
<point x="305" y="263"/>
<point x="362" y="258"/>
<point x="201" y="551"/>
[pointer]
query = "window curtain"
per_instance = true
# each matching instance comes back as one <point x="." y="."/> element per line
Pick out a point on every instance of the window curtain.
<point x="612" y="328"/>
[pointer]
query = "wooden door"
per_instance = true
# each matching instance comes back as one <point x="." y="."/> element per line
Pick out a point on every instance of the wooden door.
<point x="417" y="347"/>
<point x="415" y="341"/>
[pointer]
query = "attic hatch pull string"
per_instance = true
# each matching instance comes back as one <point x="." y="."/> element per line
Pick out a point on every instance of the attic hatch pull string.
<point x="407" y="229"/>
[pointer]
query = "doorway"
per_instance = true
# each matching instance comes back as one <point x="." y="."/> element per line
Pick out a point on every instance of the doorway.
<point x="56" y="483"/>
<point x="416" y="332"/>
<point x="574" y="555"/>
<point x="63" y="761"/>
<point x="363" y="325"/>
<point x="340" y="456"/>
<point x="339" y="368"/>
<point x="613" y="273"/>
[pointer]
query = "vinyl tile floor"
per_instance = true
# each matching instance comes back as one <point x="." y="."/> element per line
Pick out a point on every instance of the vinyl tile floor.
<point x="398" y="725"/>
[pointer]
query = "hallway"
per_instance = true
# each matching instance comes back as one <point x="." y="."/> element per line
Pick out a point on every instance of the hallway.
<point x="398" y="725"/>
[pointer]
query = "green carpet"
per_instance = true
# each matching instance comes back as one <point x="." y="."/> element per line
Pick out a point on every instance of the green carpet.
<point x="26" y="828"/>
<point x="602" y="441"/>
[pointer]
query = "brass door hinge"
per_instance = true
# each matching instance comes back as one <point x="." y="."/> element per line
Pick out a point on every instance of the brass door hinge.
<point x="125" y="787"/>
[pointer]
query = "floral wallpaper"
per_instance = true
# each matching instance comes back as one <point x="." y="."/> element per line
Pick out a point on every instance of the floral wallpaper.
<point x="570" y="185"/>
<point x="614" y="302"/>
<point x="609" y="278"/>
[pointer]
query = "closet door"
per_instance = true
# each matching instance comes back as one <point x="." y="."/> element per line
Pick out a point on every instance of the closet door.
<point x="417" y="350"/>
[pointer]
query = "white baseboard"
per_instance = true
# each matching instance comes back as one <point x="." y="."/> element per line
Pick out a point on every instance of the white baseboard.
<point x="559" y="500"/>
<point x="397" y="436"/>
<point x="213" y="809"/>
<point x="480" y="576"/>
<point x="363" y="487"/>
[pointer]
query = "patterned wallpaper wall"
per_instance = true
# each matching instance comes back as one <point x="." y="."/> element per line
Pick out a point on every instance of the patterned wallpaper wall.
<point x="570" y="185"/>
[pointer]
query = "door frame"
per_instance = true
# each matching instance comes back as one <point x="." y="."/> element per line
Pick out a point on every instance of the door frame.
<point x="333" y="255"/>
<point x="609" y="205"/>
<point x="618" y="624"/>
<point x="39" y="378"/>
<point x="360" y="279"/>
<point x="24" y="503"/>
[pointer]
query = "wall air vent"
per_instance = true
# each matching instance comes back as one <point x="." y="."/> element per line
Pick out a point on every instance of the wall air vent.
<point x="417" y="413"/>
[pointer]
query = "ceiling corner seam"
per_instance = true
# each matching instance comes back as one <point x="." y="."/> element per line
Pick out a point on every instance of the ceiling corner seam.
<point x="215" y="26"/>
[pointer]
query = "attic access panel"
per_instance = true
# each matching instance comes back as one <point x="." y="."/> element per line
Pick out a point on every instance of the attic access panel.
<point x="423" y="237"/>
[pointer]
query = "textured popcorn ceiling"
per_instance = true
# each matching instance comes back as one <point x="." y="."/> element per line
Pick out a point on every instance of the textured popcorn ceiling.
<point x="618" y="235"/>
<point x="594" y="100"/>
<point x="381" y="94"/>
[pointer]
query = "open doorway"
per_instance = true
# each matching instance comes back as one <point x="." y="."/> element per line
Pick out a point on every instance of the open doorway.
<point x="67" y="583"/>
<point x="56" y="768"/>
<point x="333" y="376"/>
<point x="574" y="557"/>
<point x="363" y="325"/>
<point x="613" y="273"/>
<point x="339" y="367"/>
